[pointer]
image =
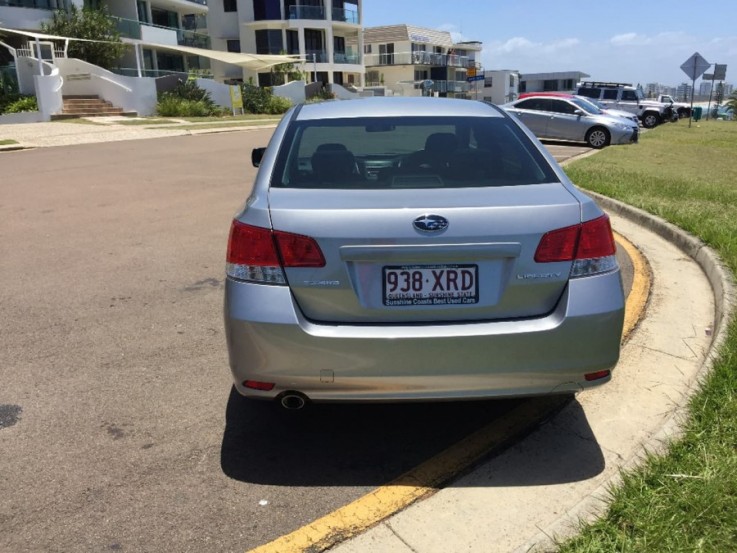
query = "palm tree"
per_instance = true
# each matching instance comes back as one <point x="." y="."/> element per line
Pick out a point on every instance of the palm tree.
<point x="732" y="102"/>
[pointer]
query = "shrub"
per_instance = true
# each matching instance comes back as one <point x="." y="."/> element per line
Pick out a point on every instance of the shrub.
<point x="262" y="100"/>
<point x="172" y="106"/>
<point x="187" y="100"/>
<point x="278" y="105"/>
<point x="25" y="103"/>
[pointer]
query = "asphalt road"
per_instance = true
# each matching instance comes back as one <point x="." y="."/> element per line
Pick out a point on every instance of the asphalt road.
<point x="118" y="427"/>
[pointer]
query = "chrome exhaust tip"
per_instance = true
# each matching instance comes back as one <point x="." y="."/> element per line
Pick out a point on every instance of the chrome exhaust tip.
<point x="293" y="401"/>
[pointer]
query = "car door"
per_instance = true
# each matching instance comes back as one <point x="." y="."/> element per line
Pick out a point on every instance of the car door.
<point x="534" y="113"/>
<point x="564" y="123"/>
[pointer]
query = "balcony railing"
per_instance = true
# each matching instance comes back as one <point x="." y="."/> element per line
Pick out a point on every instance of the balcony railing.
<point x="347" y="16"/>
<point x="306" y="12"/>
<point x="450" y="86"/>
<point x="419" y="58"/>
<point x="131" y="28"/>
<point x="342" y="57"/>
<point x="35" y="4"/>
<point x="316" y="56"/>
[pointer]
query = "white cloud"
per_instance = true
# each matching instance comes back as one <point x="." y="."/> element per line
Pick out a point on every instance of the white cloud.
<point x="626" y="38"/>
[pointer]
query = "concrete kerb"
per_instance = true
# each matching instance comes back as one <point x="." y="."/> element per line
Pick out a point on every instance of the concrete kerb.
<point x="725" y="301"/>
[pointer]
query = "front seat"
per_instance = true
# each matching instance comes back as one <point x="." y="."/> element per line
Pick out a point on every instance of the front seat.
<point x="439" y="148"/>
<point x="333" y="163"/>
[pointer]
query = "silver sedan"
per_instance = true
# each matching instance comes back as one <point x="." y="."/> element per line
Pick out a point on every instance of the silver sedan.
<point x="397" y="249"/>
<point x="572" y="119"/>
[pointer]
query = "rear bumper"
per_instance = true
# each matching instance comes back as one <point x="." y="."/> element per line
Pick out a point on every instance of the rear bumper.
<point x="269" y="341"/>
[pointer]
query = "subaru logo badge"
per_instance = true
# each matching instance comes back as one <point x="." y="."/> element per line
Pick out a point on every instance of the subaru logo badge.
<point x="430" y="223"/>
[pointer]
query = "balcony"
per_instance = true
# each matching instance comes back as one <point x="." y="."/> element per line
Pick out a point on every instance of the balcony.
<point x="306" y="12"/>
<point x="33" y="4"/>
<point x="450" y="86"/>
<point x="419" y="58"/>
<point x="342" y="57"/>
<point x="161" y="35"/>
<point x="346" y="16"/>
<point x="192" y="22"/>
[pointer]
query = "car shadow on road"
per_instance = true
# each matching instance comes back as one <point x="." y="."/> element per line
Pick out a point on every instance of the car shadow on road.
<point x="371" y="445"/>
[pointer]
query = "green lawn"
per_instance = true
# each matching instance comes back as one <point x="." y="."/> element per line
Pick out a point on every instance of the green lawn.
<point x="7" y="142"/>
<point x="686" y="500"/>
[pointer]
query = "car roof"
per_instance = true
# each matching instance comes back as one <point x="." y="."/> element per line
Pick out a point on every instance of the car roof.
<point x="555" y="94"/>
<point x="397" y="107"/>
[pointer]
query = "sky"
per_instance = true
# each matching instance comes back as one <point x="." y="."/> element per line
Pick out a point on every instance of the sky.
<point x="637" y="41"/>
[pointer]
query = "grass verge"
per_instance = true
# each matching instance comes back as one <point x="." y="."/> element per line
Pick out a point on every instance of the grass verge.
<point x="137" y="122"/>
<point x="687" y="499"/>
<point x="7" y="142"/>
<point x="230" y="118"/>
<point x="234" y="124"/>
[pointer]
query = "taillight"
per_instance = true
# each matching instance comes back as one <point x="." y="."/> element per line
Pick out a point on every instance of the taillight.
<point x="259" y="255"/>
<point x="589" y="245"/>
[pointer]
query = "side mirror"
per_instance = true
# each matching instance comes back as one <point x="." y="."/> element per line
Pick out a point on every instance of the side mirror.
<point x="257" y="154"/>
<point x="579" y="112"/>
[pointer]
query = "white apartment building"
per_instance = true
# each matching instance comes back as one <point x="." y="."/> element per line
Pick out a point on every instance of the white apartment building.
<point x="326" y="33"/>
<point x="561" y="81"/>
<point x="501" y="86"/>
<point x="166" y="22"/>
<point x="403" y="57"/>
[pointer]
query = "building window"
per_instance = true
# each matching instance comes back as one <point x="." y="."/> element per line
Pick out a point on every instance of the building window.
<point x="421" y="75"/>
<point x="386" y="54"/>
<point x="550" y="85"/>
<point x="233" y="45"/>
<point x="269" y="42"/>
<point x="366" y="48"/>
<point x="523" y="86"/>
<point x="568" y="84"/>
<point x="488" y="81"/>
<point x="230" y="5"/>
<point x="266" y="10"/>
<point x="292" y="42"/>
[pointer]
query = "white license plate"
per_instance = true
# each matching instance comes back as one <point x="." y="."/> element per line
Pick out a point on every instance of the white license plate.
<point x="430" y="285"/>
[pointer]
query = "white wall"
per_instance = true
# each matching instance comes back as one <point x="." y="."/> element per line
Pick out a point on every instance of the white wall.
<point x="24" y="117"/>
<point x="219" y="92"/>
<point x="295" y="91"/>
<point x="129" y="93"/>
<point x="48" y="94"/>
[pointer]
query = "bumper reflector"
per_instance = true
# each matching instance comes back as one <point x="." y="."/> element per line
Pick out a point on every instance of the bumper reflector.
<point x="256" y="385"/>
<point x="597" y="375"/>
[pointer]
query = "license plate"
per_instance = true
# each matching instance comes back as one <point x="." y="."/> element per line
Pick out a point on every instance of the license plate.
<point x="430" y="285"/>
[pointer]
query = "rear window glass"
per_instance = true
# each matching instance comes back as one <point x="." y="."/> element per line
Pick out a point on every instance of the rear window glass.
<point x="408" y="152"/>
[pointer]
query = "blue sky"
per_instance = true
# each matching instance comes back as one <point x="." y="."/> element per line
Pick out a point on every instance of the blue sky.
<point x="637" y="41"/>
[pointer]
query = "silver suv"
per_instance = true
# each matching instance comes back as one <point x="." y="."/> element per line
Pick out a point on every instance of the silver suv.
<point x="626" y="97"/>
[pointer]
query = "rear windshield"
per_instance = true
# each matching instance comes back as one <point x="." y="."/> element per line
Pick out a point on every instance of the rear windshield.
<point x="408" y="152"/>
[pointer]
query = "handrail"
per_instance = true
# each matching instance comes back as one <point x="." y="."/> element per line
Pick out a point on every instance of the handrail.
<point x="61" y="84"/>
<point x="112" y="81"/>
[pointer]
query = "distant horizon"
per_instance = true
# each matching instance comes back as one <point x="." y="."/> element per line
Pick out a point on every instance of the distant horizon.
<point x="646" y="44"/>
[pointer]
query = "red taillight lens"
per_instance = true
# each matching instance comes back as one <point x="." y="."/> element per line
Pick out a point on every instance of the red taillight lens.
<point x="596" y="239"/>
<point x="298" y="251"/>
<point x="253" y="246"/>
<point x="586" y="241"/>
<point x="259" y="255"/>
<point x="558" y="245"/>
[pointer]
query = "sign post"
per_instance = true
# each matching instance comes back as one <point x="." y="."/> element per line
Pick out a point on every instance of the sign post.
<point x="236" y="98"/>
<point x="694" y="67"/>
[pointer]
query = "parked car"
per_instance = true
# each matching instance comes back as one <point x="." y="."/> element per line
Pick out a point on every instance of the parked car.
<point x="626" y="97"/>
<point x="559" y="118"/>
<point x="398" y="249"/>
<point x="596" y="103"/>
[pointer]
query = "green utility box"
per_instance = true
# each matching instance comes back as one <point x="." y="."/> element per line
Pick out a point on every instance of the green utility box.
<point x="698" y="111"/>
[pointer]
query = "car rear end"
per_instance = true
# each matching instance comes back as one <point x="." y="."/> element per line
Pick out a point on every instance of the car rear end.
<point x="415" y="249"/>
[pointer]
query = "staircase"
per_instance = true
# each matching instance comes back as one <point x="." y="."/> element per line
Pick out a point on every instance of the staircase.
<point x="88" y="106"/>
